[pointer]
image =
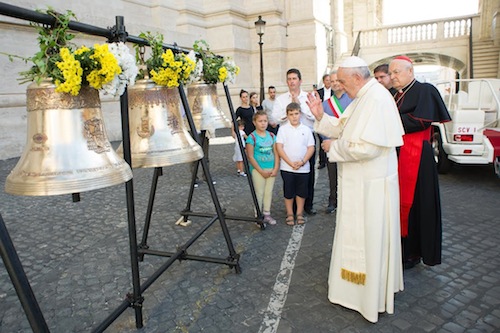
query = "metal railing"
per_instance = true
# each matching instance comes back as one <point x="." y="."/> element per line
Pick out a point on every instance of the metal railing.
<point x="435" y="30"/>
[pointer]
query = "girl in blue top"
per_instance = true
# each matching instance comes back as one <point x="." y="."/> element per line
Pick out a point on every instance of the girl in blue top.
<point x="264" y="163"/>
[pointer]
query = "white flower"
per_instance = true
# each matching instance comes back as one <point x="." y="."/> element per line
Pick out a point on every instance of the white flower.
<point x="129" y="70"/>
<point x="196" y="74"/>
<point x="232" y="71"/>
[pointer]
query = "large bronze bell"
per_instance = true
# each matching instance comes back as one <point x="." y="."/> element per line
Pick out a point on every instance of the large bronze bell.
<point x="67" y="148"/>
<point x="158" y="135"/>
<point x="205" y="107"/>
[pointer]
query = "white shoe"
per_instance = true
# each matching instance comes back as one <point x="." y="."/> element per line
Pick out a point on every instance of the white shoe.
<point x="269" y="219"/>
<point x="242" y="174"/>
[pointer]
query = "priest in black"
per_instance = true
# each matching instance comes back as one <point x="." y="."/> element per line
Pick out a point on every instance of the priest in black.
<point x="419" y="105"/>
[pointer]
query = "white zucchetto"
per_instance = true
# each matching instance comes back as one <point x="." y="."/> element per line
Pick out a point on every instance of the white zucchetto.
<point x="353" y="62"/>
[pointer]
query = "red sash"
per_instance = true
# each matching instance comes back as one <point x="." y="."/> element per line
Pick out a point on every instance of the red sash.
<point x="409" y="163"/>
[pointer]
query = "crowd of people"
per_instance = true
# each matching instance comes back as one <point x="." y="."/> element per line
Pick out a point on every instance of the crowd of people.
<point x="372" y="132"/>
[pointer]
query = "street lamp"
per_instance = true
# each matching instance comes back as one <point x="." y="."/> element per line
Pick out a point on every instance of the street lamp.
<point x="260" y="25"/>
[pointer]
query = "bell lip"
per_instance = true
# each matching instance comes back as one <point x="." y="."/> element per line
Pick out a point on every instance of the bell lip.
<point x="155" y="160"/>
<point x="114" y="176"/>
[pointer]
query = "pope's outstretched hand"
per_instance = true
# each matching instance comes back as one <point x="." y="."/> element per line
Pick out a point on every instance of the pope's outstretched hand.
<point x="315" y="105"/>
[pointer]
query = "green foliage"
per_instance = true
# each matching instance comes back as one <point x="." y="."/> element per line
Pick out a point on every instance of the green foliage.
<point x="50" y="40"/>
<point x="211" y="62"/>
<point x="155" y="60"/>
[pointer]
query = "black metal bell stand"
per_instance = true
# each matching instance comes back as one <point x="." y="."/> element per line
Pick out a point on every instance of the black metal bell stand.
<point x="233" y="259"/>
<point x="220" y="215"/>
<point x="188" y="212"/>
<point x="20" y="281"/>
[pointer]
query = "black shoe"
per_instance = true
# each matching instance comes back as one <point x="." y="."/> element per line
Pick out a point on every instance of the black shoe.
<point x="330" y="209"/>
<point x="321" y="166"/>
<point x="310" y="211"/>
<point x="410" y="263"/>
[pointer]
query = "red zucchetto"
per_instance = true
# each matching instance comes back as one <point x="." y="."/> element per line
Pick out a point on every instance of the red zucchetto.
<point x="405" y="58"/>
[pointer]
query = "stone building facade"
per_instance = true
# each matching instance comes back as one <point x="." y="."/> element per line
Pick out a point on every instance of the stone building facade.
<point x="310" y="35"/>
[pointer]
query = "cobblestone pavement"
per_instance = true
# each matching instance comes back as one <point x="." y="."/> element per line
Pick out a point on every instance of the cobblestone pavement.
<point x="76" y="256"/>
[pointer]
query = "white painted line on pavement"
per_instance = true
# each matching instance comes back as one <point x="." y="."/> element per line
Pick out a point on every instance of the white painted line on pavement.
<point x="277" y="300"/>
<point x="221" y="140"/>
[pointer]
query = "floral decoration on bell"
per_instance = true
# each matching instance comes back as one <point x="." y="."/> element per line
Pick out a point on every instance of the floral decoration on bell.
<point x="105" y="67"/>
<point x="215" y="68"/>
<point x="165" y="67"/>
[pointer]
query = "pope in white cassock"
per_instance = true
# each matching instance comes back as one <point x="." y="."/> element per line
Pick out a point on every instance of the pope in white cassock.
<point x="366" y="266"/>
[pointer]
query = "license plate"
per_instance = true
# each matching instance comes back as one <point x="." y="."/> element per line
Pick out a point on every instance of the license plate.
<point x="466" y="129"/>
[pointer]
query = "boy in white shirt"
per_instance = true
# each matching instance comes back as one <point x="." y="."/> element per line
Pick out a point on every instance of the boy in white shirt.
<point x="295" y="146"/>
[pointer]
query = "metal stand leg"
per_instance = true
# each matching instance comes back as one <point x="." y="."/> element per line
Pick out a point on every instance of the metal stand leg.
<point x="201" y="139"/>
<point x="157" y="173"/>
<point x="245" y="160"/>
<point x="208" y="177"/>
<point x="136" y="299"/>
<point x="232" y="260"/>
<point x="20" y="281"/>
<point x="194" y="174"/>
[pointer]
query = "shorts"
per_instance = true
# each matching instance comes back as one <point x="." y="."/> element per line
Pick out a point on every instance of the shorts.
<point x="295" y="184"/>
<point x="237" y="156"/>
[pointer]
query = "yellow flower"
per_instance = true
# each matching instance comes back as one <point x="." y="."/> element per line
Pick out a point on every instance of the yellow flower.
<point x="106" y="67"/>
<point x="83" y="49"/>
<point x="222" y="74"/>
<point x="71" y="71"/>
<point x="174" y="69"/>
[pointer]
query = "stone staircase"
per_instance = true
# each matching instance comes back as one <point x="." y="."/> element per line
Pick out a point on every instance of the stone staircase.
<point x="485" y="59"/>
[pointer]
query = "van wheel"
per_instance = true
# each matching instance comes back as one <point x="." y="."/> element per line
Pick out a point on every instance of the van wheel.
<point x="441" y="158"/>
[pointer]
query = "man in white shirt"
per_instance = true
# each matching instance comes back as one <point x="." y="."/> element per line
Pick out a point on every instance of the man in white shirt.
<point x="268" y="105"/>
<point x="297" y="95"/>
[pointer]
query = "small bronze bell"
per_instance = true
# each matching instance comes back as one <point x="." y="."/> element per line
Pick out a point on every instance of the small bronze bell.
<point x="158" y="135"/>
<point x="67" y="148"/>
<point x="205" y="107"/>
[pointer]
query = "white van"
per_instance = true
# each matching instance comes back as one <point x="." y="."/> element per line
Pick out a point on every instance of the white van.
<point x="473" y="135"/>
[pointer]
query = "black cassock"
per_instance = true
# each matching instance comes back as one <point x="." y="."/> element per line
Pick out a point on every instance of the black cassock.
<point x="419" y="105"/>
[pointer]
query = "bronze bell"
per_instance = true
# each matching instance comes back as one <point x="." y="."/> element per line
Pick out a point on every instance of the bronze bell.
<point x="205" y="107"/>
<point x="158" y="135"/>
<point x="67" y="148"/>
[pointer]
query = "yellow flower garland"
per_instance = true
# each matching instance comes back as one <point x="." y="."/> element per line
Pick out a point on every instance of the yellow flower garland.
<point x="72" y="72"/>
<point x="106" y="69"/>
<point x="175" y="68"/>
<point x="96" y="65"/>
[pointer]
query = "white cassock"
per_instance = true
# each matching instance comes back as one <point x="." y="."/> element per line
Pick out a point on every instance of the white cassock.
<point x="366" y="265"/>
